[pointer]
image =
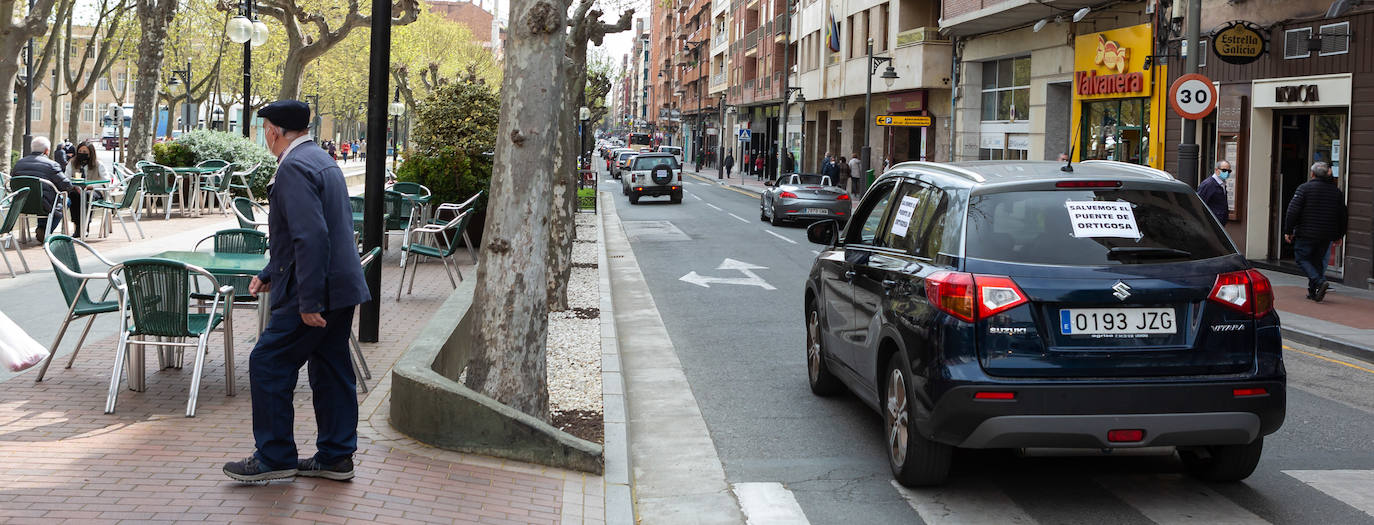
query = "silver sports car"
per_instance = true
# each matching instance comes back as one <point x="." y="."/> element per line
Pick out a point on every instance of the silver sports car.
<point x="804" y="196"/>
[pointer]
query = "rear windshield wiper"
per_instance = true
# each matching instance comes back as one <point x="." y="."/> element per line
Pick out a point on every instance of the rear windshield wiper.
<point x="1144" y="252"/>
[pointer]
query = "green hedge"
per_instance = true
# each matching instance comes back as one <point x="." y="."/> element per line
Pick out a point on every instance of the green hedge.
<point x="450" y="175"/>
<point x="455" y="130"/>
<point x="202" y="145"/>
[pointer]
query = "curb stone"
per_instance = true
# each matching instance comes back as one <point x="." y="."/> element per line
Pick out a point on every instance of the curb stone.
<point x="616" y="447"/>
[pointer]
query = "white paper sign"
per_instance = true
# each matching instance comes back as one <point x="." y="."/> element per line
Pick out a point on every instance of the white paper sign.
<point x="902" y="221"/>
<point x="1102" y="219"/>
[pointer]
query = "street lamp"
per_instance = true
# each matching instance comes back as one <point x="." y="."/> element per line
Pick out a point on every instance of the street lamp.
<point x="243" y="29"/>
<point x="583" y="115"/>
<point x="116" y="113"/>
<point x="185" y="75"/>
<point x="786" y="97"/>
<point x="889" y="76"/>
<point x="314" y="115"/>
<point x="720" y="141"/>
<point x="396" y="109"/>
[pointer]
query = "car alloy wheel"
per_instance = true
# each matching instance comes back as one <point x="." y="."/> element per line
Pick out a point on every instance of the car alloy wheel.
<point x="896" y="412"/>
<point x="822" y="382"/>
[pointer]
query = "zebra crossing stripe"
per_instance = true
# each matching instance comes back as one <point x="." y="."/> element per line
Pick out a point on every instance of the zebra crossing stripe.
<point x="971" y="503"/>
<point x="1177" y="499"/>
<point x="1351" y="487"/>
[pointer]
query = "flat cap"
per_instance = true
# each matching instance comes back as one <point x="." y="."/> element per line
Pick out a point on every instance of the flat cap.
<point x="292" y="115"/>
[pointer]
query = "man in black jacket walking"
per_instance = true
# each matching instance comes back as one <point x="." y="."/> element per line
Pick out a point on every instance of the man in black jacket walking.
<point x="1315" y="219"/>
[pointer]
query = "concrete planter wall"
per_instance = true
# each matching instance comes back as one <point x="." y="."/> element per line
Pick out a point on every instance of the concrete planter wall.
<point x="428" y="402"/>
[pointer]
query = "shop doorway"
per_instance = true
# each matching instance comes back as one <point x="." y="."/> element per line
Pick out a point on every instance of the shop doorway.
<point x="1301" y="139"/>
<point x="1116" y="129"/>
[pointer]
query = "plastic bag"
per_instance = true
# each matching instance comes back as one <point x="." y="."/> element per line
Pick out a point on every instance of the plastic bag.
<point x="18" y="351"/>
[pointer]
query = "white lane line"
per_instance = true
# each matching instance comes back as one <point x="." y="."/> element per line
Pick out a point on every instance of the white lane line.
<point x="717" y="208"/>
<point x="964" y="503"/>
<point x="741" y="219"/>
<point x="693" y="195"/>
<point x="769" y="504"/>
<point x="1351" y="487"/>
<point x="770" y="232"/>
<point x="1176" y="499"/>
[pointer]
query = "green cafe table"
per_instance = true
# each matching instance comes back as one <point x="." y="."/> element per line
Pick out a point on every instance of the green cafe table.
<point x="191" y="176"/>
<point x="217" y="264"/>
<point x="88" y="189"/>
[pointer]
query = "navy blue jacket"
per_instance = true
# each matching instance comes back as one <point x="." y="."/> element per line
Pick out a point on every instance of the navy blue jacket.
<point x="314" y="262"/>
<point x="39" y="165"/>
<point x="1213" y="194"/>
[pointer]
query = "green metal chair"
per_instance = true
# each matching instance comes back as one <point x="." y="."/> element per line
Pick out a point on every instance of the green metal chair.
<point x="12" y="206"/>
<point x="216" y="185"/>
<point x="34" y="205"/>
<point x="154" y="302"/>
<point x="246" y="211"/>
<point x="453" y="227"/>
<point x="237" y="240"/>
<point x="399" y="218"/>
<point x="460" y="208"/>
<point x="133" y="193"/>
<point x="160" y="182"/>
<point x="212" y="163"/>
<point x="359" y="361"/>
<point x="61" y="250"/>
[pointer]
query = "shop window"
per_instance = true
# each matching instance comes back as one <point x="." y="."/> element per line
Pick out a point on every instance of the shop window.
<point x="1295" y="43"/>
<point x="1006" y="89"/>
<point x="1335" y="39"/>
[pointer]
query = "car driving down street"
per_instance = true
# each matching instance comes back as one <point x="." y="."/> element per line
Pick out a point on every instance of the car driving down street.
<point x="803" y="196"/>
<point x="1017" y="304"/>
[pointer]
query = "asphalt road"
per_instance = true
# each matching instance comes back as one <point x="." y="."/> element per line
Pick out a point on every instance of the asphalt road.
<point x="741" y="337"/>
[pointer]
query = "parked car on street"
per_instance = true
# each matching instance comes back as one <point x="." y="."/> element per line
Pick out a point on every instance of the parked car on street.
<point x="652" y="175"/>
<point x="803" y="196"/>
<point x="1014" y="304"/>
<point x="621" y="161"/>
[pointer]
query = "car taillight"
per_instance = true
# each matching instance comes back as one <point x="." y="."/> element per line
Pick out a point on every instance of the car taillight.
<point x="997" y="294"/>
<point x="842" y="197"/>
<point x="972" y="297"/>
<point x="951" y="293"/>
<point x="787" y="195"/>
<point x="1246" y="291"/>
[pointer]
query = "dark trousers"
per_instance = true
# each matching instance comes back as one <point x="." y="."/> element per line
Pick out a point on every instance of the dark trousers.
<point x="1311" y="257"/>
<point x="273" y="368"/>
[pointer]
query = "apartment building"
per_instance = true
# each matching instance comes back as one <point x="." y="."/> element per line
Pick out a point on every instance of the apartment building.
<point x="693" y="60"/>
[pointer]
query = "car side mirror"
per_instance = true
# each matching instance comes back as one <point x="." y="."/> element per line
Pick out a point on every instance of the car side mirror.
<point x="824" y="233"/>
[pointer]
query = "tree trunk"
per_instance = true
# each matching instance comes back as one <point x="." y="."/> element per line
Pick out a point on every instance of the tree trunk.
<point x="153" y="21"/>
<point x="292" y="73"/>
<point x="510" y="310"/>
<point x="563" y="228"/>
<point x="8" y="71"/>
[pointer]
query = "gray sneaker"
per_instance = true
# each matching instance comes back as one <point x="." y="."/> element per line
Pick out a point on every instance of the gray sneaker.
<point x="312" y="468"/>
<point x="253" y="470"/>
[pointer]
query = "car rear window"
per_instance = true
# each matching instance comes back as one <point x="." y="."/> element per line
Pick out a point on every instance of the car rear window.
<point x="1035" y="227"/>
<point x="626" y="154"/>
<point x="648" y="163"/>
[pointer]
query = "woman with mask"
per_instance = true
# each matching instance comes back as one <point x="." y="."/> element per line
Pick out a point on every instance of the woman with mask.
<point x="84" y="165"/>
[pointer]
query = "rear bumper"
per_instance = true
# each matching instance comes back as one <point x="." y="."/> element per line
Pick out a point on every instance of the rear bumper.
<point x="1080" y="416"/>
<point x="800" y="210"/>
<point x="655" y="190"/>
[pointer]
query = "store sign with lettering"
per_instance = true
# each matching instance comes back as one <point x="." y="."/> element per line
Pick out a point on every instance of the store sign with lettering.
<point x="1111" y="64"/>
<point x="1298" y="93"/>
<point x="1239" y="42"/>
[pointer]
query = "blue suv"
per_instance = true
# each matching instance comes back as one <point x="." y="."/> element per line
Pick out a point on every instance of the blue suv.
<point x="994" y="304"/>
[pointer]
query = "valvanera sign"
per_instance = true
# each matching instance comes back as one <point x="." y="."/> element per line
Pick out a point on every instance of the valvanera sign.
<point x="1239" y="42"/>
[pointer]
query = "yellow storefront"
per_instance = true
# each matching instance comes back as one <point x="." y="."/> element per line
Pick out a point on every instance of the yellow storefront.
<point x="1117" y="109"/>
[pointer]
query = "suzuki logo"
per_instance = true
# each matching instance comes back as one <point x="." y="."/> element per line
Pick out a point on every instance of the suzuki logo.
<point x="1121" y="290"/>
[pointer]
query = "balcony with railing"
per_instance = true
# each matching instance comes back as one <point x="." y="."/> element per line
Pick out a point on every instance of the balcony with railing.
<point x="718" y="78"/>
<point x="722" y="36"/>
<point x="751" y="39"/>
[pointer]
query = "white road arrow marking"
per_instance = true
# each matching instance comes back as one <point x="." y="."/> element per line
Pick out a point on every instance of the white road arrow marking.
<point x="750" y="278"/>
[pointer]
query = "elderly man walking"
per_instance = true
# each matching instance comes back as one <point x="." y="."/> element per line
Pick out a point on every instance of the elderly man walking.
<point x="316" y="281"/>
<point x="1212" y="191"/>
<point x="1315" y="219"/>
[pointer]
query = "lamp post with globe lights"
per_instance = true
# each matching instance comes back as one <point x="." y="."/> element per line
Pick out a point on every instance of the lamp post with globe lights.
<point x="395" y="109"/>
<point x="889" y="76"/>
<point x="244" y="29"/>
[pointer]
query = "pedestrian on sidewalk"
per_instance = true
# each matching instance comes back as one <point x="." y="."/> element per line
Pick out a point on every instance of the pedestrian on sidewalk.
<point x="842" y="172"/>
<point x="1315" y="220"/>
<point x="758" y="166"/>
<point x="729" y="164"/>
<point x="856" y="174"/>
<point x="1212" y="191"/>
<point x="789" y="163"/>
<point x="316" y="281"/>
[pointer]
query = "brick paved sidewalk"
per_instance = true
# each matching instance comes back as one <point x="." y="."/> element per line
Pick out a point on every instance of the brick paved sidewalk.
<point x="63" y="460"/>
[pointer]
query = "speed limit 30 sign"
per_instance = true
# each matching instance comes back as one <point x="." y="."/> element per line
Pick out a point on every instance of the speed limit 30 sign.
<point x="1193" y="96"/>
